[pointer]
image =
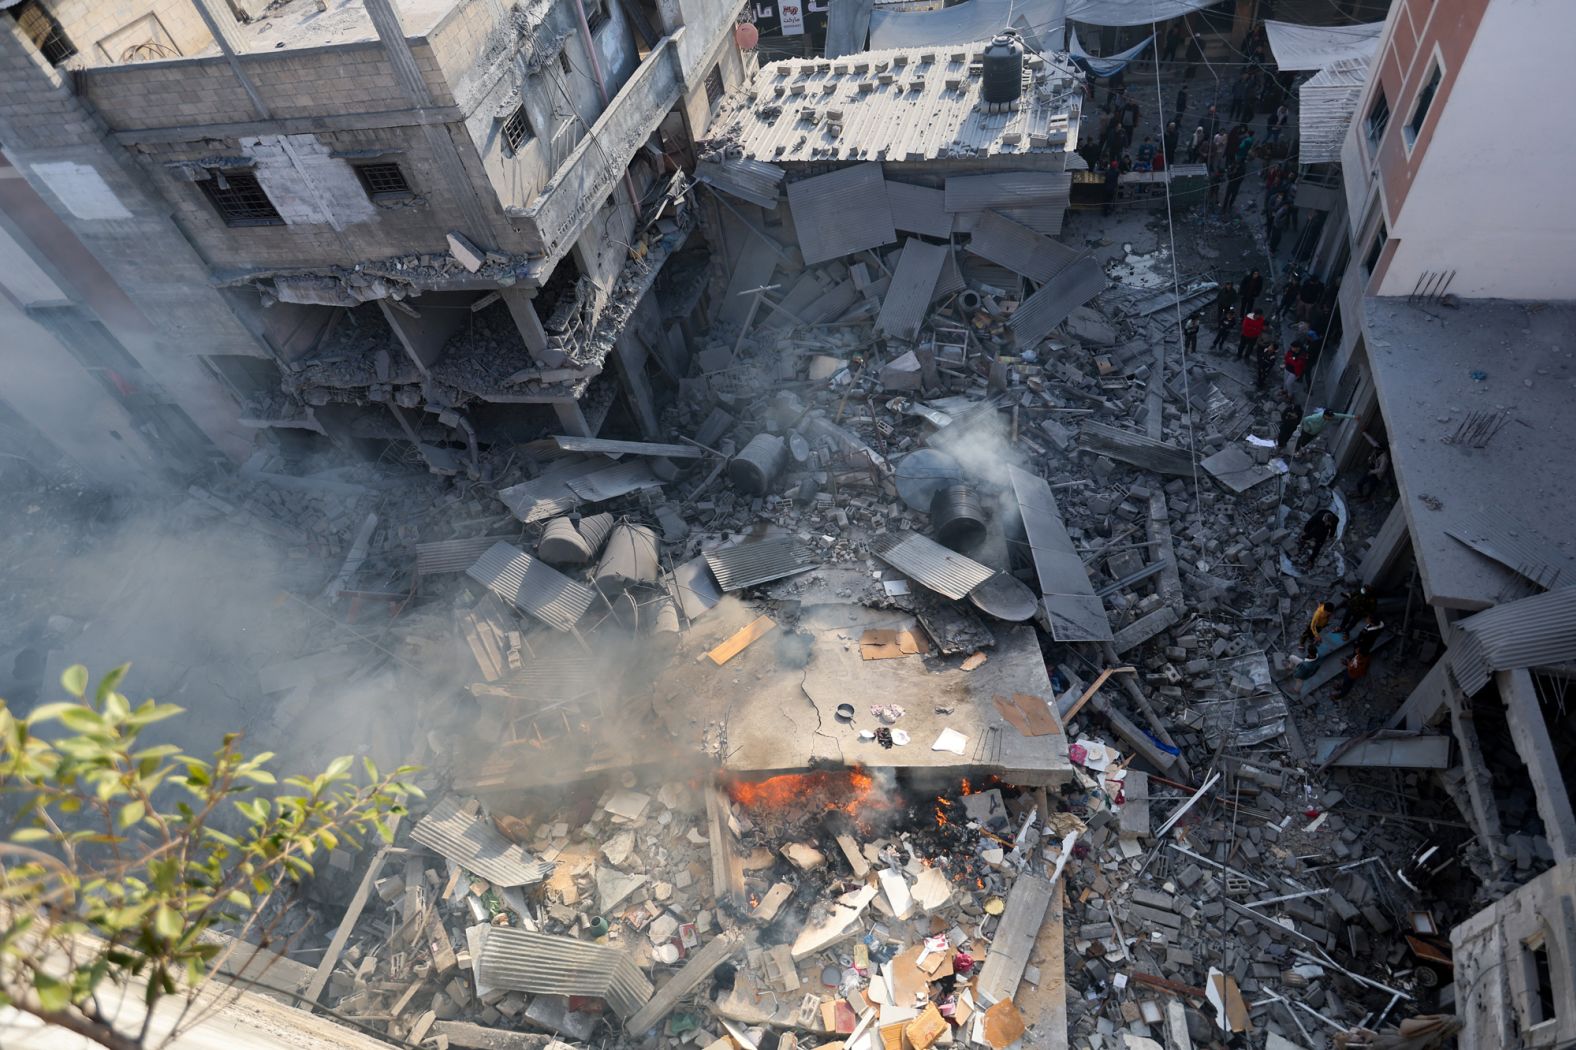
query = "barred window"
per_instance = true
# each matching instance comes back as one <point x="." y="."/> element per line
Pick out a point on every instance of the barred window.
<point x="46" y="34"/>
<point x="239" y="200"/>
<point x="516" y="131"/>
<point x="383" y="181"/>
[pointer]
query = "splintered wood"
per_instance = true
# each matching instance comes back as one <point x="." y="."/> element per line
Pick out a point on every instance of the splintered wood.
<point x="881" y="644"/>
<point x="1029" y="715"/>
<point x="741" y="641"/>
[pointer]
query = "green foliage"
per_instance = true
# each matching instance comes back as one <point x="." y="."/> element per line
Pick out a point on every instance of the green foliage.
<point x="115" y="865"/>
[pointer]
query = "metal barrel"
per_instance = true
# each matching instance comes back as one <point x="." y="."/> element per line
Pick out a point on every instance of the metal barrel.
<point x="957" y="518"/>
<point x="757" y="465"/>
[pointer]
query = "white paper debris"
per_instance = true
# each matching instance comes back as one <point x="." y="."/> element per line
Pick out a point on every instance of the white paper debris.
<point x="950" y="740"/>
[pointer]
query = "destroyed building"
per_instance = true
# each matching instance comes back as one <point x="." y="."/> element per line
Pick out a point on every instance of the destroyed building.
<point x="440" y="223"/>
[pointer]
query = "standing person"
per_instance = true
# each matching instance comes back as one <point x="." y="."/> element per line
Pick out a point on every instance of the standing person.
<point x="1217" y="152"/>
<point x="1130" y="114"/>
<point x="1233" y="137"/>
<point x="1225" y="299"/>
<point x="1196" y="147"/>
<point x="1211" y="122"/>
<point x="1245" y="146"/>
<point x="1250" y="289"/>
<point x="1170" y="140"/>
<point x="1268" y="357"/>
<point x="1173" y="40"/>
<point x="1308" y="296"/>
<point x="1368" y="634"/>
<point x="1356" y="671"/>
<point x="1357" y="605"/>
<point x="1146" y="155"/>
<point x="1234" y="179"/>
<point x="1296" y="365"/>
<point x="1277" y="123"/>
<point x="1279" y="212"/>
<point x="1378" y="467"/>
<point x="1226" y="323"/>
<point x="1252" y="328"/>
<point x="1190" y="334"/>
<point x="1288" y="295"/>
<point x="1291" y="418"/>
<point x="1315" y="629"/>
<point x="1113" y="176"/>
<point x="1181" y="107"/>
<point x="1316" y="532"/>
<point x="1313" y="425"/>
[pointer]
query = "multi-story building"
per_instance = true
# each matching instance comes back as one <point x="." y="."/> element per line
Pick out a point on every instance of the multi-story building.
<point x="1455" y="316"/>
<point x="433" y="221"/>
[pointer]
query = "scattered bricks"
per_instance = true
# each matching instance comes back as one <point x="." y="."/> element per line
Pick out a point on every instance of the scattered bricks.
<point x="1189" y="876"/>
<point x="464" y="250"/>
<point x="1376" y="919"/>
<point x="1154" y="898"/>
<point x="1096" y="931"/>
<point x="1343" y="907"/>
<point x="1179" y="957"/>
<point x="1196" y="666"/>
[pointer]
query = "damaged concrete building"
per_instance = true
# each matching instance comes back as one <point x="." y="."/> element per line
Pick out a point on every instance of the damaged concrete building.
<point x="440" y="223"/>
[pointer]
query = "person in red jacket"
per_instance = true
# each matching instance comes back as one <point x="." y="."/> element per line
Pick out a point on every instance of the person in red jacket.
<point x="1252" y="328"/>
<point x="1296" y="365"/>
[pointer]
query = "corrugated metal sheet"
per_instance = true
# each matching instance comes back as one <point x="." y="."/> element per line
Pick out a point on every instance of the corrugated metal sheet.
<point x="841" y="212"/>
<point x="750" y="180"/>
<point x="897" y="106"/>
<point x="609" y="447"/>
<point x="1532" y="632"/>
<point x="927" y="562"/>
<point x="531" y="586"/>
<point x="912" y="290"/>
<point x="847" y="25"/>
<point x="1049" y="306"/>
<point x="1019" y="248"/>
<point x="951" y="279"/>
<point x="1074" y="613"/>
<point x="1046" y="219"/>
<point x="1140" y="450"/>
<point x="611" y="482"/>
<point x="694" y="587"/>
<point x="919" y="209"/>
<point x="541" y="964"/>
<point x="1008" y="189"/>
<point x="549" y="679"/>
<point x="1326" y="103"/>
<point x="760" y="561"/>
<point x="474" y="844"/>
<point x="440" y="556"/>
<point x="1503" y="539"/>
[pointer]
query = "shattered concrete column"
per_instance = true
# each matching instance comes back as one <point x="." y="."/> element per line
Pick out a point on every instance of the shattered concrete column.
<point x="422" y="333"/>
<point x="1530" y="732"/>
<point x="572" y="419"/>
<point x="1388" y="544"/>
<point x="1479" y="782"/>
<point x="523" y="310"/>
<point x="630" y="358"/>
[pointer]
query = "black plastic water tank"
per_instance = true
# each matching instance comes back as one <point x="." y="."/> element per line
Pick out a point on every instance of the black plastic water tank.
<point x="957" y="518"/>
<point x="1003" y="69"/>
<point x="757" y="465"/>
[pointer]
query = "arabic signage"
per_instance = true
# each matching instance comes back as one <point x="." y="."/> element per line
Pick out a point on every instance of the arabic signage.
<point x="790" y="18"/>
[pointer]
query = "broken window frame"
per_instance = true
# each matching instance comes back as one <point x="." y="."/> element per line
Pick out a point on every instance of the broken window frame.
<point x="1376" y="249"/>
<point x="1425" y="102"/>
<point x="376" y="179"/>
<point x="516" y="131"/>
<point x="596" y="14"/>
<point x="45" y="32"/>
<point x="248" y="206"/>
<point x="1542" y="1005"/>
<point x="714" y="86"/>
<point x="1378" y="118"/>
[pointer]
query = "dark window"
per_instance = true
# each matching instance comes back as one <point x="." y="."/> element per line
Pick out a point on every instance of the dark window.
<point x="383" y="181"/>
<point x="1545" y="1008"/>
<point x="1378" y="118"/>
<point x="45" y="33"/>
<point x="714" y="85"/>
<point x="563" y="62"/>
<point x="239" y="200"/>
<point x="1425" y="99"/>
<point x="596" y="13"/>
<point x="516" y="131"/>
<point x="1376" y="249"/>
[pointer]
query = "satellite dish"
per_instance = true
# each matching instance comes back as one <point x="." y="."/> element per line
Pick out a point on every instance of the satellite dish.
<point x="746" y="36"/>
<point x="1006" y="598"/>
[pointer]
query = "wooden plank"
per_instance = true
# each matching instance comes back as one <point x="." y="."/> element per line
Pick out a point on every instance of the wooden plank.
<point x="479" y="1037"/>
<point x="748" y="635"/>
<point x="1046" y="1002"/>
<point x="348" y="923"/>
<point x="699" y="967"/>
<point x="1093" y="689"/>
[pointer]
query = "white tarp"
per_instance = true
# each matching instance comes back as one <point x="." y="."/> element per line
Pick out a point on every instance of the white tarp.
<point x="1326" y="103"/>
<point x="1104" y="67"/>
<point x="1130" y="12"/>
<point x="967" y="23"/>
<point x="1314" y="47"/>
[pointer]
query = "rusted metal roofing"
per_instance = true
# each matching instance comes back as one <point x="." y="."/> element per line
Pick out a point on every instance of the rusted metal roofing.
<point x="455" y="555"/>
<point x="749" y="180"/>
<point x="542" y="964"/>
<point x="549" y="494"/>
<point x="470" y="840"/>
<point x="1060" y="296"/>
<point x="1019" y="248"/>
<point x="1531" y="632"/>
<point x="1008" y="189"/>
<point x="1073" y="612"/>
<point x="927" y="562"/>
<point x="620" y="479"/>
<point x="841" y="212"/>
<point x="759" y="561"/>
<point x="1501" y="538"/>
<point x="899" y="105"/>
<point x="919" y="209"/>
<point x="912" y="289"/>
<point x="1140" y="450"/>
<point x="532" y="586"/>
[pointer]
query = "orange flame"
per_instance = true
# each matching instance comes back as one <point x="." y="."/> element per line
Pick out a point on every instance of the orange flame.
<point x="849" y="790"/>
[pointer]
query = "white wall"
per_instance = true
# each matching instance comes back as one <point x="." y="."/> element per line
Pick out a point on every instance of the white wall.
<point x="1493" y="197"/>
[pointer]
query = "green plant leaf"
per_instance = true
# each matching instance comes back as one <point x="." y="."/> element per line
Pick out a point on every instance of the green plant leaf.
<point x="32" y="835"/>
<point x="339" y="766"/>
<point x="130" y="813"/>
<point x="167" y="922"/>
<point x="74" y="680"/>
<point x="53" y="995"/>
<point x="109" y="682"/>
<point x="81" y="719"/>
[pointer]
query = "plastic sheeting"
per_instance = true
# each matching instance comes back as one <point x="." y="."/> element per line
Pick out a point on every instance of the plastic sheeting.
<point x="1327" y="101"/>
<point x="1104" y="67"/>
<point x="967" y="23"/>
<point x="1130" y="12"/>
<point x="1315" y="47"/>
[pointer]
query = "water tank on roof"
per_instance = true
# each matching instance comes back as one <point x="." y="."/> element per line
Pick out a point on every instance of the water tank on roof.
<point x="1003" y="69"/>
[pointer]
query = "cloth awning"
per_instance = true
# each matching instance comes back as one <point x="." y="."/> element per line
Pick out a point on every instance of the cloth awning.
<point x="1130" y="12"/>
<point x="1326" y="103"/>
<point x="1299" y="47"/>
<point x="967" y="23"/>
<point x="1104" y="67"/>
